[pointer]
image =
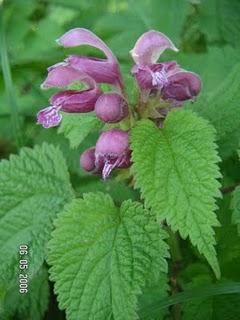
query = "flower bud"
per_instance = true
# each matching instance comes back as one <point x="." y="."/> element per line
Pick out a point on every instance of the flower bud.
<point x="76" y="101"/>
<point x="87" y="160"/>
<point x="112" y="151"/>
<point x="182" y="86"/>
<point x="111" y="107"/>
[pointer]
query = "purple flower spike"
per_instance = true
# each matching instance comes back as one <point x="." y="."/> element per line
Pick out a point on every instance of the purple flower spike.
<point x="111" y="107"/>
<point x="76" y="101"/>
<point x="87" y="160"/>
<point x="112" y="151"/>
<point x="150" y="46"/>
<point x="49" y="117"/>
<point x="182" y="86"/>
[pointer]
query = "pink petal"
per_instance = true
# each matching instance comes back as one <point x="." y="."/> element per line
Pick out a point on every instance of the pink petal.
<point x="87" y="160"/>
<point x="76" y="101"/>
<point x="155" y="75"/>
<point x="150" y="46"/>
<point x="61" y="75"/>
<point x="49" y="117"/>
<point x="112" y="151"/>
<point x="80" y="36"/>
<point x="101" y="70"/>
<point x="183" y="85"/>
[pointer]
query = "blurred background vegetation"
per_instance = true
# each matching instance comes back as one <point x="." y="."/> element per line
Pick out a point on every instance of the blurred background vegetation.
<point x="207" y="32"/>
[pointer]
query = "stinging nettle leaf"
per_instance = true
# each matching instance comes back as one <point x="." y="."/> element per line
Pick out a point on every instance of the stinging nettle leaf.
<point x="102" y="255"/>
<point x="76" y="127"/>
<point x="175" y="168"/>
<point x="34" y="186"/>
<point x="32" y="305"/>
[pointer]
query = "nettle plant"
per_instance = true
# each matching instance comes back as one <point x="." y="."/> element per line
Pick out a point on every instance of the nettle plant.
<point x="104" y="257"/>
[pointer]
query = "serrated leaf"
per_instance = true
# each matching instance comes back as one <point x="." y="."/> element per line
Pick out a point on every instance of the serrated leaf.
<point x="175" y="168"/>
<point x="76" y="127"/>
<point x="34" y="186"/>
<point x="31" y="305"/>
<point x="101" y="256"/>
<point x="152" y="293"/>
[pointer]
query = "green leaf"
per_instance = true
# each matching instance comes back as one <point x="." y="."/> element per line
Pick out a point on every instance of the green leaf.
<point x="221" y="108"/>
<point x="152" y="293"/>
<point x="34" y="186"/>
<point x="175" y="168"/>
<point x="101" y="256"/>
<point x="31" y="305"/>
<point x="222" y="18"/>
<point x="236" y="208"/>
<point x="76" y="127"/>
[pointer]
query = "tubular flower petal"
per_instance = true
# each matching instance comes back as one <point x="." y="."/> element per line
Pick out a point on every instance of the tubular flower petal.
<point x="101" y="70"/>
<point x="87" y="160"/>
<point x="80" y="36"/>
<point x="69" y="100"/>
<point x="150" y="46"/>
<point x="62" y="74"/>
<point x="112" y="151"/>
<point x="111" y="107"/>
<point x="182" y="86"/>
<point x="76" y="101"/>
<point x="49" y="117"/>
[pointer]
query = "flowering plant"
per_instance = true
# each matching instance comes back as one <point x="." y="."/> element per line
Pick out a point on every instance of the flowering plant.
<point x="117" y="210"/>
<point x="165" y="83"/>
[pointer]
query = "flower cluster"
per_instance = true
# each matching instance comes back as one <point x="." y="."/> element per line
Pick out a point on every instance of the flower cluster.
<point x="166" y="81"/>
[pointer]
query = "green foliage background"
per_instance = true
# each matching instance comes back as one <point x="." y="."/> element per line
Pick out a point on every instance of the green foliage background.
<point x="207" y="33"/>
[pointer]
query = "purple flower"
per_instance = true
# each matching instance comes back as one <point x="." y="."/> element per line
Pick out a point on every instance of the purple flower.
<point x="150" y="46"/>
<point x="101" y="70"/>
<point x="74" y="101"/>
<point x="111" y="107"/>
<point x="68" y="100"/>
<point x="61" y="75"/>
<point x="112" y="151"/>
<point x="176" y="85"/>
<point x="49" y="117"/>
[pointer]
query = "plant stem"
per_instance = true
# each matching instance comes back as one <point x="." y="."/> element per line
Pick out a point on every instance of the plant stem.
<point x="230" y="188"/>
<point x="174" y="246"/>
<point x="8" y="81"/>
